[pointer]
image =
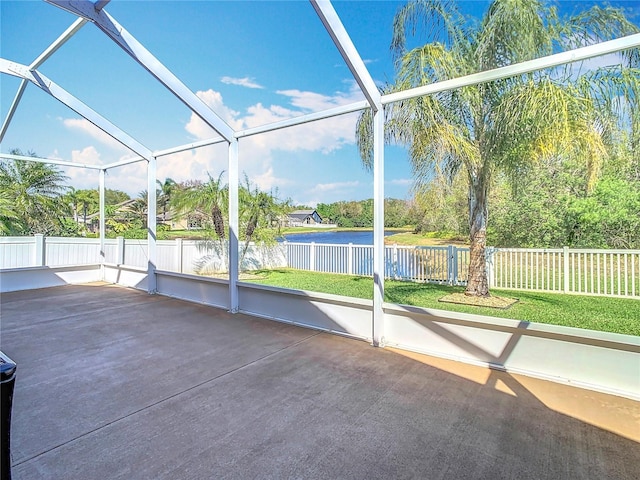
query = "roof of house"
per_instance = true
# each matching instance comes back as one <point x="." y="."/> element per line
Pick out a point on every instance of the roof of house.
<point x="302" y="214"/>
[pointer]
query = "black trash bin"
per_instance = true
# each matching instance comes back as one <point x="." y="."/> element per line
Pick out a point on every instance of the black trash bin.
<point x="7" y="381"/>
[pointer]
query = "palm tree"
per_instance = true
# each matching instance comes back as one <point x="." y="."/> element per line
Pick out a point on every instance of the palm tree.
<point x="258" y="212"/>
<point x="136" y="211"/>
<point x="35" y="190"/>
<point x="8" y="214"/>
<point x="209" y="199"/>
<point x="89" y="200"/>
<point x="165" y="190"/>
<point x="500" y="126"/>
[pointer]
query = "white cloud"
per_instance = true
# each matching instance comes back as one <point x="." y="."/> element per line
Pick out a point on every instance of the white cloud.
<point x="267" y="180"/>
<point x="83" y="178"/>
<point x="257" y="153"/>
<point x="129" y="178"/>
<point x="243" y="82"/>
<point x="198" y="128"/>
<point x="331" y="187"/>
<point x="88" y="128"/>
<point x="88" y="155"/>
<point x="314" y="102"/>
<point x="401" y="181"/>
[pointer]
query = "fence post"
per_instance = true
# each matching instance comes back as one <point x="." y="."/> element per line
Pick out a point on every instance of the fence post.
<point x="39" y="251"/>
<point x="120" y="251"/>
<point x="394" y="265"/>
<point x="452" y="265"/>
<point x="312" y="256"/>
<point x="565" y="270"/>
<point x="178" y="255"/>
<point x="350" y="259"/>
<point x="489" y="262"/>
<point x="454" y="250"/>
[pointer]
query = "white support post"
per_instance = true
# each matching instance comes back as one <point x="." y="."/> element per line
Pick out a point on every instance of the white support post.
<point x="151" y="226"/>
<point x="378" y="228"/>
<point x="120" y="251"/>
<point x="352" y="58"/>
<point x="350" y="259"/>
<point x="101" y="192"/>
<point x="39" y="259"/>
<point x="234" y="262"/>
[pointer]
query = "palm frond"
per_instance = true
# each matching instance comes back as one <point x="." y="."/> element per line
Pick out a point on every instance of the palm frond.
<point x="433" y="20"/>
<point x="513" y="31"/>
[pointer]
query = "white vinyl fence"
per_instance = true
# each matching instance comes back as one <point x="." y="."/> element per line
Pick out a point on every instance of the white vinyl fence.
<point x="565" y="270"/>
<point x="588" y="272"/>
<point x="444" y="265"/>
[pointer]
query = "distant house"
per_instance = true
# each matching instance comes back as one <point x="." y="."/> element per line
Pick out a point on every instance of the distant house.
<point x="301" y="218"/>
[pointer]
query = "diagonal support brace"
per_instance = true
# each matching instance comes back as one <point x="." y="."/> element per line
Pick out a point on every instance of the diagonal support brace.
<point x="126" y="41"/>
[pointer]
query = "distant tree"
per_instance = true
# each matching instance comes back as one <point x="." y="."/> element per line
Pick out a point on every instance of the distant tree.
<point x="114" y="197"/>
<point x="136" y="211"/>
<point x="607" y="217"/>
<point x="208" y="199"/>
<point x="35" y="190"/>
<point x="88" y="202"/>
<point x="165" y="191"/>
<point x="8" y="214"/>
<point x="441" y="205"/>
<point x="259" y="215"/>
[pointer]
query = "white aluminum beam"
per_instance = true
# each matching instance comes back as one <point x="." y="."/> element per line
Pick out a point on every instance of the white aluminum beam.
<point x="57" y="92"/>
<point x="340" y="37"/>
<point x="347" y="49"/>
<point x="126" y="161"/>
<point x="188" y="146"/>
<point x="101" y="217"/>
<point x="100" y="4"/>
<point x="583" y="53"/>
<point x="378" y="229"/>
<point x="61" y="40"/>
<point x="168" y="151"/>
<point x="234" y="226"/>
<point x="50" y="161"/>
<point x="12" y="109"/>
<point x="126" y="41"/>
<point x="152" y="249"/>
<point x="311" y="117"/>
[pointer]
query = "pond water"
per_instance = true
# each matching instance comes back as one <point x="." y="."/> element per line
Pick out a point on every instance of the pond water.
<point x="342" y="237"/>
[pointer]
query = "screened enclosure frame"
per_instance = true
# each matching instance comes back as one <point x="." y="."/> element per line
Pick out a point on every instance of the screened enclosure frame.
<point x="90" y="12"/>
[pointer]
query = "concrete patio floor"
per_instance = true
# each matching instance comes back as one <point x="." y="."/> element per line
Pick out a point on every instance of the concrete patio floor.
<point x="113" y="383"/>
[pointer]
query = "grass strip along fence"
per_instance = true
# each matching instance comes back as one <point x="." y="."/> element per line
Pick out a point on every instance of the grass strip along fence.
<point x="616" y="315"/>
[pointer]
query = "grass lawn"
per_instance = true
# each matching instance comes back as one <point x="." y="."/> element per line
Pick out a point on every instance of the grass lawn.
<point x="425" y="240"/>
<point x="618" y="315"/>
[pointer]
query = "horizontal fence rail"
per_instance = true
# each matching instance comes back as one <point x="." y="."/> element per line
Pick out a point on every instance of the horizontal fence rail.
<point x="563" y="270"/>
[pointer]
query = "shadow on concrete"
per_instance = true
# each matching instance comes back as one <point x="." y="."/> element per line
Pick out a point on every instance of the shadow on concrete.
<point x="114" y="383"/>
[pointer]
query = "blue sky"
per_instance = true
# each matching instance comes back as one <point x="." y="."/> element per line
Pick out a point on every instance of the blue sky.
<point x="252" y="62"/>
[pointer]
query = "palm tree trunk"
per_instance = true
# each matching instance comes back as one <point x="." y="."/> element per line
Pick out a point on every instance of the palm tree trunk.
<point x="478" y="284"/>
<point x="218" y="222"/>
